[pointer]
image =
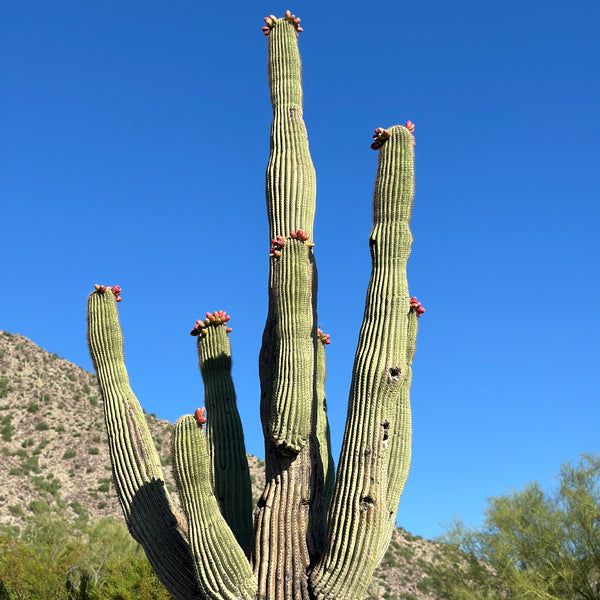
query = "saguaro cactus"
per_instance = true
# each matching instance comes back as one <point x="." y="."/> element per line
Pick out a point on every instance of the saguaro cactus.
<point x="309" y="539"/>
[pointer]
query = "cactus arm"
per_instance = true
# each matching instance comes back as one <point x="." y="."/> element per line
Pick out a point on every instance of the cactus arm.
<point x="225" y="436"/>
<point x="222" y="568"/>
<point x="152" y="519"/>
<point x="290" y="194"/>
<point x="322" y="424"/>
<point x="378" y="432"/>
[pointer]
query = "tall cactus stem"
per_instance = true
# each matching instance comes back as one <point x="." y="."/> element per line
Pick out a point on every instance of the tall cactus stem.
<point x="222" y="569"/>
<point x="290" y="193"/>
<point x="225" y="436"/>
<point x="375" y="452"/>
<point x="151" y="517"/>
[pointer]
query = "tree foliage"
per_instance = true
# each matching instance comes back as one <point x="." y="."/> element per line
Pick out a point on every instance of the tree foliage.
<point x="55" y="560"/>
<point x="534" y="544"/>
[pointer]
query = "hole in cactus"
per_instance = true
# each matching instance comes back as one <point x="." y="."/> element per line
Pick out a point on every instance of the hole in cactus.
<point x="261" y="503"/>
<point x="386" y="427"/>
<point x="366" y="502"/>
<point x="394" y="374"/>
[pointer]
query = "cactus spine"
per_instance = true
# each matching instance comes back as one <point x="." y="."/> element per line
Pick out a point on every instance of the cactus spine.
<point x="310" y="540"/>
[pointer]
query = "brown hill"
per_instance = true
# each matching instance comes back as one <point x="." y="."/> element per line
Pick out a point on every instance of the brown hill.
<point x="54" y="450"/>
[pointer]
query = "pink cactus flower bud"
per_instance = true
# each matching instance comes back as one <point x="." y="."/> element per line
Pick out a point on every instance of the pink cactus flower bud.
<point x="208" y="315"/>
<point x="327" y="342"/>
<point x="292" y="234"/>
<point x="207" y="321"/>
<point x="200" y="415"/>
<point x="421" y="309"/>
<point x="288" y="14"/>
<point x="118" y="299"/>
<point x="266" y="30"/>
<point x="204" y="331"/>
<point x="410" y="126"/>
<point x="413" y="300"/>
<point x="297" y="20"/>
<point x="276" y="253"/>
<point x="273" y="18"/>
<point x="229" y="330"/>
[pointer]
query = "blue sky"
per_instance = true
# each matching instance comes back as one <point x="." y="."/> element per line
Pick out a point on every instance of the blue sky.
<point x="133" y="148"/>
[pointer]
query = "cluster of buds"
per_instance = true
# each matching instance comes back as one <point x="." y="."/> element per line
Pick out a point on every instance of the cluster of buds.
<point x="380" y="137"/>
<point x="219" y="317"/>
<point x="411" y="127"/>
<point x="200" y="415"/>
<point x="302" y="237"/>
<point x="115" y="289"/>
<point x="272" y="19"/>
<point x="323" y="337"/>
<point x="277" y="244"/>
<point x="416" y="305"/>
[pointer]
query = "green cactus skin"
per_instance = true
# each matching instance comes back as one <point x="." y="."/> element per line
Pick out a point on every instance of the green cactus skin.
<point x="229" y="466"/>
<point x="376" y="448"/>
<point x="222" y="568"/>
<point x="151" y="517"/>
<point x="312" y="540"/>
<point x="288" y="341"/>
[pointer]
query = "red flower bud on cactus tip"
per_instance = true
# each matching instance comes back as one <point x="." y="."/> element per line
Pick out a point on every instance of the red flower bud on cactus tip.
<point x="292" y="234"/>
<point x="200" y="415"/>
<point x="118" y="299"/>
<point x="327" y="342"/>
<point x="229" y="330"/>
<point x="421" y="310"/>
<point x="413" y="300"/>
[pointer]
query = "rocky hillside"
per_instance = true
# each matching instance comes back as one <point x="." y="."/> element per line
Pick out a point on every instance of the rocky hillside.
<point x="54" y="451"/>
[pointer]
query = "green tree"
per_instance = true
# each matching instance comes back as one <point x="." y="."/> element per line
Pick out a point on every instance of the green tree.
<point x="534" y="543"/>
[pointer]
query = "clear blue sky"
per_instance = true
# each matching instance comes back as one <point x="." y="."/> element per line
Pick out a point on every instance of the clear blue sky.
<point x="133" y="148"/>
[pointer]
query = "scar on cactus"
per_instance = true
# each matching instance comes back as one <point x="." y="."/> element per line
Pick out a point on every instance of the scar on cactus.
<point x="271" y="20"/>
